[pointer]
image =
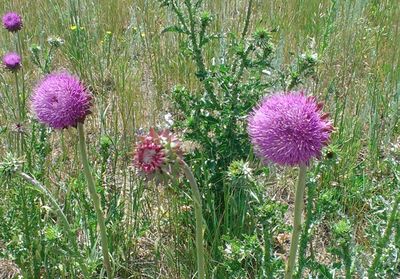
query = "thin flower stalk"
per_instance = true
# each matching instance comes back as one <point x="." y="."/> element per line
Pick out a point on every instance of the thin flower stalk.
<point x="199" y="219"/>
<point x="96" y="201"/>
<point x="298" y="209"/>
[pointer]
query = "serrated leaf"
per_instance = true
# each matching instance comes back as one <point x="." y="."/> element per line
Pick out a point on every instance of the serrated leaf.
<point x="174" y="29"/>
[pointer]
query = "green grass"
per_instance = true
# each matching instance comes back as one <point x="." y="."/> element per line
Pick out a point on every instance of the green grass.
<point x="132" y="71"/>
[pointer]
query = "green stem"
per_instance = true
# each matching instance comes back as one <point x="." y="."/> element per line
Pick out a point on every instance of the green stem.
<point x="26" y="228"/>
<point x="199" y="220"/>
<point x="267" y="252"/>
<point x="20" y="145"/>
<point x="247" y="22"/>
<point x="23" y="97"/>
<point x="383" y="241"/>
<point x="197" y="51"/>
<point x="347" y="260"/>
<point x="18" y="97"/>
<point x="96" y="201"/>
<point x="60" y="214"/>
<point x="298" y="208"/>
<point x="305" y="237"/>
<point x="242" y="41"/>
<point x="180" y="16"/>
<point x="47" y="61"/>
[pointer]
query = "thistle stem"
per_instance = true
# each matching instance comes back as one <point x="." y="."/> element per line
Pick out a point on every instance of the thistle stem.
<point x="60" y="214"/>
<point x="19" y="117"/>
<point x="199" y="220"/>
<point x="268" y="273"/>
<point x="23" y="97"/>
<point x="298" y="207"/>
<point x="305" y="237"/>
<point x="96" y="200"/>
<point x="18" y="97"/>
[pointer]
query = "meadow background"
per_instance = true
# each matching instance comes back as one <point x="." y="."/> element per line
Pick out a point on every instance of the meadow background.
<point x="118" y="48"/>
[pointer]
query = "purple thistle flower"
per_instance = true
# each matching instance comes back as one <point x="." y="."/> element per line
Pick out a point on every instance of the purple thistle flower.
<point x="289" y="128"/>
<point x="12" y="61"/>
<point x="12" y="21"/>
<point x="60" y="100"/>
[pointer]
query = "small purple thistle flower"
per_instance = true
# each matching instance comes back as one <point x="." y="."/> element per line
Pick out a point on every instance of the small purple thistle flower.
<point x="288" y="128"/>
<point x="12" y="21"/>
<point x="60" y="100"/>
<point x="12" y="61"/>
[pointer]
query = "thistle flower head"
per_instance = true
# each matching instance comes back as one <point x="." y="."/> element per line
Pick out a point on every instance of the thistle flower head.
<point x="55" y="42"/>
<point x="156" y="151"/>
<point x="60" y="100"/>
<point x="12" y="21"/>
<point x="9" y="166"/>
<point x="261" y="37"/>
<point x="289" y="128"/>
<point x="12" y="61"/>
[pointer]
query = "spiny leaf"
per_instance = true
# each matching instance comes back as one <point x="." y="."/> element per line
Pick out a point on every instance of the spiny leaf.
<point x="174" y="29"/>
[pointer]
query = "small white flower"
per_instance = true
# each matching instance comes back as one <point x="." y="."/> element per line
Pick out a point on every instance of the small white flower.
<point x="266" y="72"/>
<point x="228" y="249"/>
<point x="168" y="120"/>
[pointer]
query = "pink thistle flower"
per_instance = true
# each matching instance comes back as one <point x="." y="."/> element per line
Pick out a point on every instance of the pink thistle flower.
<point x="156" y="152"/>
<point x="12" y="61"/>
<point x="60" y="101"/>
<point x="149" y="155"/>
<point x="289" y="128"/>
<point x="12" y="21"/>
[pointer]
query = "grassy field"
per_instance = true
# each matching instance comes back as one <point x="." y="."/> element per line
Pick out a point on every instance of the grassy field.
<point x="118" y="48"/>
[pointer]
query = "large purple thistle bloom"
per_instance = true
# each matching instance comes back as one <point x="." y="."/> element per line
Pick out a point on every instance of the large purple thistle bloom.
<point x="12" y="61"/>
<point x="60" y="100"/>
<point x="289" y="128"/>
<point x="12" y="21"/>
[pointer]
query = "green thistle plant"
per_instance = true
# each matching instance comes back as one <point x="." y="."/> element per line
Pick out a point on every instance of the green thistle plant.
<point x="342" y="235"/>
